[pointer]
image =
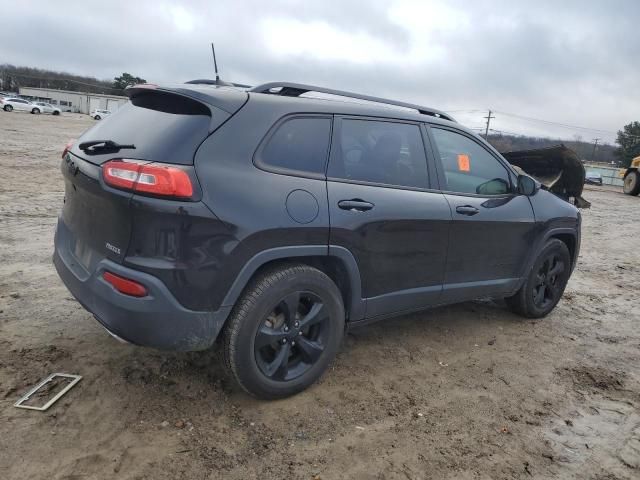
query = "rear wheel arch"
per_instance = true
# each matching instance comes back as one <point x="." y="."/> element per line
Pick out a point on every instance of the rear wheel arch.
<point x="339" y="265"/>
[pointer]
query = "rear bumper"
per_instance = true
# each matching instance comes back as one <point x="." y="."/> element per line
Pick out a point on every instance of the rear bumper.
<point x="157" y="320"/>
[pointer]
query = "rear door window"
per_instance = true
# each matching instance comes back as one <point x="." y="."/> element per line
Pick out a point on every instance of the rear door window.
<point x="381" y="152"/>
<point x="469" y="167"/>
<point x="298" y="144"/>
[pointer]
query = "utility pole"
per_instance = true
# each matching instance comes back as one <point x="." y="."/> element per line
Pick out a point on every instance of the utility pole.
<point x="595" y="145"/>
<point x="486" y="132"/>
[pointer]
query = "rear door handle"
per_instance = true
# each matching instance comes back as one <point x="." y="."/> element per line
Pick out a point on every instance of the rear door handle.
<point x="355" y="205"/>
<point x="467" y="210"/>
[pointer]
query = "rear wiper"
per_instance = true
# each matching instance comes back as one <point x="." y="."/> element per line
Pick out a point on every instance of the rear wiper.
<point x="94" y="145"/>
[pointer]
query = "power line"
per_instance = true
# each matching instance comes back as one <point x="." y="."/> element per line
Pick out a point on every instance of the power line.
<point x="464" y="111"/>
<point x="548" y="122"/>
<point x="517" y="134"/>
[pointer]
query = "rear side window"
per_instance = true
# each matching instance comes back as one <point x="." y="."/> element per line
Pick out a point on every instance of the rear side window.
<point x="300" y="144"/>
<point x="469" y="167"/>
<point x="380" y="152"/>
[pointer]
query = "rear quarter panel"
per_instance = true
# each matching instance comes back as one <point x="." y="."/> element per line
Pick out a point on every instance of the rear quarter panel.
<point x="251" y="202"/>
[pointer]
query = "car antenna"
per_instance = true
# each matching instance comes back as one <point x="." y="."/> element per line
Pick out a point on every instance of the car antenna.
<point x="215" y="64"/>
<point x="218" y="81"/>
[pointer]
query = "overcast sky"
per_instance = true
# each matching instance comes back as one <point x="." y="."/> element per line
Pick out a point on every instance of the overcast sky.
<point x="572" y="62"/>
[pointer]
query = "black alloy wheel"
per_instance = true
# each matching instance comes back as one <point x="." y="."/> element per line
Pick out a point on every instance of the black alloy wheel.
<point x="292" y="337"/>
<point x="548" y="287"/>
<point x="284" y="331"/>
<point x="545" y="282"/>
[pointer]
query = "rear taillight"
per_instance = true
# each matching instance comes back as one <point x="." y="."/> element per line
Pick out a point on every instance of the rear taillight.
<point x="153" y="178"/>
<point x="67" y="147"/>
<point x="125" y="285"/>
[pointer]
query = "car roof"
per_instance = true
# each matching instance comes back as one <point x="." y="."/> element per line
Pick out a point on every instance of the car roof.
<point x="333" y="103"/>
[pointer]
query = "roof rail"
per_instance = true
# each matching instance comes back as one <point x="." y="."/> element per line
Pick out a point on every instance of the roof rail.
<point x="287" y="89"/>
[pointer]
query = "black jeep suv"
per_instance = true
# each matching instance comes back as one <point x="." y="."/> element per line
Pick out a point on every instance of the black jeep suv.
<point x="271" y="220"/>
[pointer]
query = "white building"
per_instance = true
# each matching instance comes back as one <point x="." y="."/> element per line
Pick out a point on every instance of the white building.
<point x="69" y="101"/>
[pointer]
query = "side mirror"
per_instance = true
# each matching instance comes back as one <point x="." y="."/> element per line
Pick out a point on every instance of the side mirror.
<point x="527" y="185"/>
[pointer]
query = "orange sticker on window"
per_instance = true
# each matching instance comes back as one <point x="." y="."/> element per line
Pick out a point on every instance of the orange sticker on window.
<point x="464" y="164"/>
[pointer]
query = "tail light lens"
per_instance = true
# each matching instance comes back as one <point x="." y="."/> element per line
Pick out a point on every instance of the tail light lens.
<point x="125" y="285"/>
<point x="152" y="178"/>
<point x="67" y="147"/>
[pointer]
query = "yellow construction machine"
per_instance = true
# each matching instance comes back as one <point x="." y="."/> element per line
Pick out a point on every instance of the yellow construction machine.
<point x="631" y="177"/>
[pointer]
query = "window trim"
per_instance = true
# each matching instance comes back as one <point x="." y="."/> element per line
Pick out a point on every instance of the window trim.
<point x="432" y="185"/>
<point x="259" y="162"/>
<point x="440" y="166"/>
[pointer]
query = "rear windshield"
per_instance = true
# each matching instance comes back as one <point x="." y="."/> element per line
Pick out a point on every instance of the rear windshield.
<point x="163" y="127"/>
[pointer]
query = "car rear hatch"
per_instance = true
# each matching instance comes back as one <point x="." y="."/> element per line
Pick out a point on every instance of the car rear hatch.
<point x="159" y="127"/>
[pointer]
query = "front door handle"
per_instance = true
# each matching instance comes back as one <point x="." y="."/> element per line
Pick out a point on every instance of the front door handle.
<point x="355" y="205"/>
<point x="467" y="210"/>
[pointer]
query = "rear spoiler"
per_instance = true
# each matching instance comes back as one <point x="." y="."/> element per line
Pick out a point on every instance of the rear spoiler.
<point x="221" y="102"/>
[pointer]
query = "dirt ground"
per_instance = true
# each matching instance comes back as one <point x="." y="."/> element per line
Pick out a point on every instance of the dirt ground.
<point x="464" y="392"/>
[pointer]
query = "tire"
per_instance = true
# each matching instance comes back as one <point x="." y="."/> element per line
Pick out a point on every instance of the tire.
<point x="631" y="184"/>
<point x="8" y="108"/>
<point x="543" y="288"/>
<point x="97" y="117"/>
<point x="35" y="111"/>
<point x="55" y="112"/>
<point x="281" y="367"/>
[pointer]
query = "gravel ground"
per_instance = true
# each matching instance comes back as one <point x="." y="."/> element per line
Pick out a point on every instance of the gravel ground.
<point x="463" y="392"/>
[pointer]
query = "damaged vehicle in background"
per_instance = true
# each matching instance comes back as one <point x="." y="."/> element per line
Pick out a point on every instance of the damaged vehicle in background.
<point x="557" y="168"/>
<point x="269" y="221"/>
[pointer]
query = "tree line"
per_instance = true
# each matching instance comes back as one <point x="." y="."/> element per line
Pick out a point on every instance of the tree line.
<point x="13" y="77"/>
<point x="628" y="141"/>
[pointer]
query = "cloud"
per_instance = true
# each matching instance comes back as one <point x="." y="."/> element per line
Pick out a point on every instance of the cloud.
<point x="572" y="62"/>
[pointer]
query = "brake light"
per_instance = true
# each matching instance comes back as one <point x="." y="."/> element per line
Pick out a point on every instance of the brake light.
<point x="154" y="178"/>
<point x="67" y="147"/>
<point x="125" y="285"/>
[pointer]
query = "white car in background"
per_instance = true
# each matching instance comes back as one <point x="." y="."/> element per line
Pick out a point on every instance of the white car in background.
<point x="8" y="104"/>
<point x="97" y="114"/>
<point x="47" y="108"/>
